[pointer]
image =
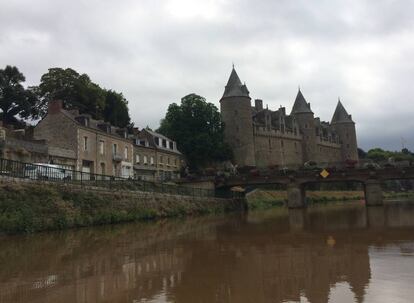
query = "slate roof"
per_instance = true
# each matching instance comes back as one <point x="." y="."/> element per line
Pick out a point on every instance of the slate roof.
<point x="341" y="115"/>
<point x="93" y="124"/>
<point x="234" y="87"/>
<point x="300" y="105"/>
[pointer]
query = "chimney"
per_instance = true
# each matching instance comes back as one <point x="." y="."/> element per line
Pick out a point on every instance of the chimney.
<point x="54" y="107"/>
<point x="258" y="104"/>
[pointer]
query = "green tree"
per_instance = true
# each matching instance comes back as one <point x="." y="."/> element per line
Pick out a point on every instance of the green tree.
<point x="196" y="126"/>
<point x="76" y="90"/>
<point x="116" y="109"/>
<point x="15" y="100"/>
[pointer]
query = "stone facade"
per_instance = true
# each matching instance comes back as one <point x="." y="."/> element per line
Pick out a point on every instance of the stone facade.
<point x="264" y="138"/>
<point x="17" y="145"/>
<point x="85" y="144"/>
<point x="156" y="157"/>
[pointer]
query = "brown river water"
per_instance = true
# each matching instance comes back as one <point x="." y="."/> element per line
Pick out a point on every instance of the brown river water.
<point x="336" y="253"/>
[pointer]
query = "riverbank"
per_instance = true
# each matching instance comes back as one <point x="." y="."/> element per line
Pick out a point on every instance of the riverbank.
<point x="32" y="207"/>
<point x="264" y="199"/>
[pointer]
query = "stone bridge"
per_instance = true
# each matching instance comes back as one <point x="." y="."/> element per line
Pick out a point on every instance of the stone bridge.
<point x="295" y="181"/>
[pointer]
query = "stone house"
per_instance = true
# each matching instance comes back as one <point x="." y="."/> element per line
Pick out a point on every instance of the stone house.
<point x="18" y="145"/>
<point x="262" y="137"/>
<point x="156" y="157"/>
<point x="85" y="144"/>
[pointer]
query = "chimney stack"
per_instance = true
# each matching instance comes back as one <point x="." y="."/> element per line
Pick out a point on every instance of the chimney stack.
<point x="54" y="106"/>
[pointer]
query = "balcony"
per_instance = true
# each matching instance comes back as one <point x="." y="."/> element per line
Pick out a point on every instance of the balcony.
<point x="117" y="157"/>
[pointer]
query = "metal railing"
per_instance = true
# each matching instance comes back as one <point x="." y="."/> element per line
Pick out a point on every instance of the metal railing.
<point x="55" y="173"/>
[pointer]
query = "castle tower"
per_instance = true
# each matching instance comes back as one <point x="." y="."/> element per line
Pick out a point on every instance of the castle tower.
<point x="236" y="113"/>
<point x="345" y="128"/>
<point x="305" y="118"/>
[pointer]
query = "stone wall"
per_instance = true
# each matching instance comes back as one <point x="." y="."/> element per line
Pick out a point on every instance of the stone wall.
<point x="273" y="150"/>
<point x="32" y="206"/>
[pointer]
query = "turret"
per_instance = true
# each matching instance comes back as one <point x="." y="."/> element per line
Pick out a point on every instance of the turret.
<point x="305" y="119"/>
<point x="236" y="113"/>
<point x="345" y="128"/>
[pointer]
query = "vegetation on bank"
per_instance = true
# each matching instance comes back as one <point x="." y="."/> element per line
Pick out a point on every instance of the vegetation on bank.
<point x="33" y="207"/>
<point x="263" y="199"/>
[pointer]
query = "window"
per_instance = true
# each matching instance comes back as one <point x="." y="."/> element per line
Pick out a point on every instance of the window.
<point x="145" y="160"/>
<point x="164" y="143"/>
<point x="114" y="149"/>
<point x="152" y="160"/>
<point x="137" y="158"/>
<point x="101" y="147"/>
<point x="126" y="152"/>
<point x="85" y="143"/>
<point x="157" y="141"/>
<point x="281" y="143"/>
<point x="175" y="161"/>
<point x="161" y="159"/>
<point x="168" y="160"/>
<point x="171" y="145"/>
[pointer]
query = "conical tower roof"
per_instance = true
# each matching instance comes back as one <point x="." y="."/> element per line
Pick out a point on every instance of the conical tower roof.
<point x="341" y="114"/>
<point x="300" y="105"/>
<point x="234" y="87"/>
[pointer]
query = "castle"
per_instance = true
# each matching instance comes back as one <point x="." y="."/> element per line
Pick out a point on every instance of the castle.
<point x="261" y="137"/>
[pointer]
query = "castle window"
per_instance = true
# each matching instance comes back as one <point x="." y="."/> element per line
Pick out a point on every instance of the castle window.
<point x="296" y="145"/>
<point x="281" y="143"/>
<point x="270" y="144"/>
<point x="306" y="125"/>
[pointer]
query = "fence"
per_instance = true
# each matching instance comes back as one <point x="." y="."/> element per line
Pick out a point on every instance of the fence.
<point x="54" y="173"/>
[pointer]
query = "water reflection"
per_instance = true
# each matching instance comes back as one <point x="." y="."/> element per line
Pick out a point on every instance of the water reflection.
<point x="273" y="256"/>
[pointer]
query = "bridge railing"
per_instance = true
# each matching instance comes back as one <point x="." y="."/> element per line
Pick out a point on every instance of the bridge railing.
<point x="57" y="174"/>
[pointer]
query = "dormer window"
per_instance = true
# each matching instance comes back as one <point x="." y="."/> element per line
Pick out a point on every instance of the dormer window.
<point x="157" y="141"/>
<point x="171" y="145"/>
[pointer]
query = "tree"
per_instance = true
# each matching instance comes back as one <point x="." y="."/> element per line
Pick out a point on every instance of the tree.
<point x="15" y="100"/>
<point x="116" y="109"/>
<point x="197" y="127"/>
<point x="78" y="92"/>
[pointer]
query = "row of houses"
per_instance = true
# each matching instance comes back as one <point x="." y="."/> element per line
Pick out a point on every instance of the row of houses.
<point x="76" y="141"/>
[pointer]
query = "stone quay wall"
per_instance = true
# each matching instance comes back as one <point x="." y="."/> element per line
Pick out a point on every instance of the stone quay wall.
<point x="38" y="206"/>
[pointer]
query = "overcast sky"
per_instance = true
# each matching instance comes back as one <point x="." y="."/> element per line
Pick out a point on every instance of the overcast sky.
<point x="156" y="52"/>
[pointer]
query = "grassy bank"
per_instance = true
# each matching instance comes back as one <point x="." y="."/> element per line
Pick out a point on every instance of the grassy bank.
<point x="263" y="199"/>
<point x="34" y="207"/>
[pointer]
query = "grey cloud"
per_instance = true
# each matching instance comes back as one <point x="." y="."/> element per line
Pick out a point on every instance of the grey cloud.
<point x="155" y="52"/>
